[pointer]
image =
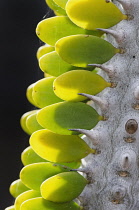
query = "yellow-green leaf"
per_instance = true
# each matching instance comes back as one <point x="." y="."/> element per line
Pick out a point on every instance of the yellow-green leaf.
<point x="42" y="204"/>
<point x="92" y="14"/>
<point x="57" y="10"/>
<point x="68" y="85"/>
<point x="68" y="115"/>
<point x="44" y="50"/>
<point x="63" y="187"/>
<point x="17" y="187"/>
<point x="32" y="123"/>
<point x="25" y="196"/>
<point x="81" y="50"/>
<point x="23" y="121"/>
<point x="59" y="148"/>
<point x="43" y="93"/>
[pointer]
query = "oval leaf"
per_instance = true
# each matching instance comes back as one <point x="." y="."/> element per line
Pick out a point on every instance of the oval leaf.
<point x="93" y="14"/>
<point x="63" y="187"/>
<point x="32" y="123"/>
<point x="44" y="50"/>
<point x="61" y="3"/>
<point x="68" y="85"/>
<point x="43" y="93"/>
<point x="81" y="50"/>
<point x="28" y="156"/>
<point x="29" y="94"/>
<point x="23" y="121"/>
<point x="61" y="117"/>
<point x="54" y="65"/>
<point x="57" y="9"/>
<point x="42" y="204"/>
<point x="59" y="148"/>
<point x="17" y="187"/>
<point x="25" y="196"/>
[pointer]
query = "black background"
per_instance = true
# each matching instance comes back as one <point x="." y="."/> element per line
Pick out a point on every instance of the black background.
<point x="18" y="69"/>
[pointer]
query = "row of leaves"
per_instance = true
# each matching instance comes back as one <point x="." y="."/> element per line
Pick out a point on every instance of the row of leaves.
<point x="48" y="180"/>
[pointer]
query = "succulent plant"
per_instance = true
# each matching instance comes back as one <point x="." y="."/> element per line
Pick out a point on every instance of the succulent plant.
<point x="87" y="112"/>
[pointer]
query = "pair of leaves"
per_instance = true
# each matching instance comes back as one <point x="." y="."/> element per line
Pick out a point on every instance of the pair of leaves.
<point x="29" y="122"/>
<point x="34" y="175"/>
<point x="52" y="29"/>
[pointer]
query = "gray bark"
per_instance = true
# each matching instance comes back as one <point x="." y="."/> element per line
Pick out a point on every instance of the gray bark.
<point x="114" y="173"/>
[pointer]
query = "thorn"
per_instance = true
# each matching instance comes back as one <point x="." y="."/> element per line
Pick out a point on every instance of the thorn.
<point x="103" y="104"/>
<point x="126" y="4"/>
<point x="103" y="67"/>
<point x="93" y="135"/>
<point x="116" y="35"/>
<point x="119" y="36"/>
<point x="126" y="162"/>
<point x="83" y="170"/>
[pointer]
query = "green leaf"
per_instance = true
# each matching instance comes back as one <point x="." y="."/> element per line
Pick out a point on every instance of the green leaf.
<point x="43" y="93"/>
<point x="61" y="3"/>
<point x="59" y="148"/>
<point x="93" y="14"/>
<point x="29" y="94"/>
<point x="54" y="65"/>
<point x="34" y="175"/>
<point x="81" y="50"/>
<point x="63" y="187"/>
<point x="68" y="115"/>
<point x="32" y="123"/>
<point x="68" y="85"/>
<point x="57" y="10"/>
<point x="25" y="196"/>
<point x="23" y="121"/>
<point x="44" y="50"/>
<point x="17" y="187"/>
<point x="52" y="29"/>
<point x="42" y="204"/>
<point x="28" y="156"/>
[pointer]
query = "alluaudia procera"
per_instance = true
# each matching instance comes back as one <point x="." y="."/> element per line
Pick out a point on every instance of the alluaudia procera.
<point x="90" y="47"/>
